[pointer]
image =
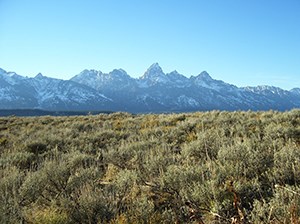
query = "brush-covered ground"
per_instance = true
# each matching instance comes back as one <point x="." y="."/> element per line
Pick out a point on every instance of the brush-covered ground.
<point x="205" y="167"/>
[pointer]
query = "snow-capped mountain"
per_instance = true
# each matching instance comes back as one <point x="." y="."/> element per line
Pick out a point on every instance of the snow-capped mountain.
<point x="205" y="80"/>
<point x="295" y="91"/>
<point x="153" y="76"/>
<point x="154" y="91"/>
<point x="178" y="79"/>
<point x="48" y="93"/>
<point x="117" y="79"/>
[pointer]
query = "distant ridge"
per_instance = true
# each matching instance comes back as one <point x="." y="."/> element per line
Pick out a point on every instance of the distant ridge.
<point x="155" y="91"/>
<point x="37" y="112"/>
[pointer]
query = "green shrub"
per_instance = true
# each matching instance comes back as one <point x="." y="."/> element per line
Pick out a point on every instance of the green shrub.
<point x="203" y="167"/>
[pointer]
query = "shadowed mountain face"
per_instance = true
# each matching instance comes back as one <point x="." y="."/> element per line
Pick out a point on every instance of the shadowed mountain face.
<point x="155" y="91"/>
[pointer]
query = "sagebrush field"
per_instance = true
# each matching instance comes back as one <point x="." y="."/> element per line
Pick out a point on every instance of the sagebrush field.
<point x="204" y="167"/>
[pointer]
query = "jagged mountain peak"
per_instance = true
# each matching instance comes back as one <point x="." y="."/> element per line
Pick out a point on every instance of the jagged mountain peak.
<point x="153" y="76"/>
<point x="205" y="76"/>
<point x="8" y="74"/>
<point x="178" y="79"/>
<point x="87" y="75"/>
<point x="295" y="90"/>
<point x="11" y="77"/>
<point x="153" y="70"/>
<point x="155" y="66"/>
<point x="202" y="77"/>
<point x="114" y="80"/>
<point x="205" y="80"/>
<point x="90" y="72"/>
<point x="174" y="73"/>
<point x="119" y="73"/>
<point x="39" y="76"/>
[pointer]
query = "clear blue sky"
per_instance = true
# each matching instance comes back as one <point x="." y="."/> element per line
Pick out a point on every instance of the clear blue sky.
<point x="241" y="42"/>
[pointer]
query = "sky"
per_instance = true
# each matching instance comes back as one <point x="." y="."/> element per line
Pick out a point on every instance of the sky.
<point x="245" y="43"/>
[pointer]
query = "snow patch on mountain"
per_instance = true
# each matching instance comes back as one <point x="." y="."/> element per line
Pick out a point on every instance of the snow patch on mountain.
<point x="11" y="77"/>
<point x="186" y="101"/>
<point x="6" y="94"/>
<point x="295" y="91"/>
<point x="264" y="89"/>
<point x="89" y="77"/>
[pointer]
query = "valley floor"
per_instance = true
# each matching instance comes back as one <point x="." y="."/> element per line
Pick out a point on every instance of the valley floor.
<point x="203" y="167"/>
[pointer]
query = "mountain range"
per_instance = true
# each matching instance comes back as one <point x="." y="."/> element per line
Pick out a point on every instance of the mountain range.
<point x="155" y="91"/>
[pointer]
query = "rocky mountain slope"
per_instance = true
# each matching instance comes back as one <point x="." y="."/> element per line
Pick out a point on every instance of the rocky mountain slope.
<point x="155" y="91"/>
